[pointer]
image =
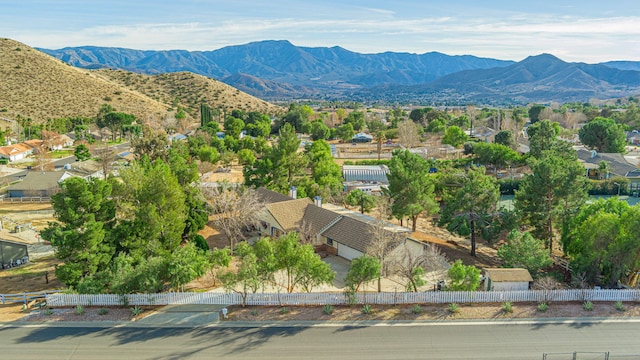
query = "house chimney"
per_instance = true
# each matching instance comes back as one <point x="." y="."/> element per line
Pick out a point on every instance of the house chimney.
<point x="293" y="192"/>
<point x="317" y="201"/>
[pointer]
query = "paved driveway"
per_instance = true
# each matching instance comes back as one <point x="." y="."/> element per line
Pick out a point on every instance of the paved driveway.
<point x="340" y="266"/>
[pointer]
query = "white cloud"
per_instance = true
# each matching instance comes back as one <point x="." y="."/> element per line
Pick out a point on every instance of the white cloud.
<point x="506" y="37"/>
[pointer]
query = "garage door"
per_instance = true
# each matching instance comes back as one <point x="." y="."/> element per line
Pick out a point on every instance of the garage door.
<point x="347" y="252"/>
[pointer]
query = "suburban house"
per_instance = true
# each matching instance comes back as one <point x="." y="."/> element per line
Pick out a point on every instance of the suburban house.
<point x="58" y="142"/>
<point x="39" y="184"/>
<point x="362" y="138"/>
<point x="15" y="152"/>
<point x="503" y="279"/>
<point x="176" y="137"/>
<point x="85" y="169"/>
<point x="617" y="164"/>
<point x="329" y="227"/>
<point x="634" y="182"/>
<point x="368" y="178"/>
<point x="633" y="137"/>
<point x="21" y="150"/>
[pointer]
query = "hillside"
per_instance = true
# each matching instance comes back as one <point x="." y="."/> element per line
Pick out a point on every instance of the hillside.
<point x="189" y="90"/>
<point x="38" y="86"/>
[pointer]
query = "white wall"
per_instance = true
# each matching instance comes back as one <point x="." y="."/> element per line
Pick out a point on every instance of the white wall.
<point x="347" y="252"/>
<point x="508" y="286"/>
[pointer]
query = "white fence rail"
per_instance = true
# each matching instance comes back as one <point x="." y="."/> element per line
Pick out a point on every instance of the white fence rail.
<point x="387" y="298"/>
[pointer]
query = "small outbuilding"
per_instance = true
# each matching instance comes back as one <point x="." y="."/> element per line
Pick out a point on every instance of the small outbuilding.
<point x="362" y="138"/>
<point x="501" y="279"/>
<point x="12" y="253"/>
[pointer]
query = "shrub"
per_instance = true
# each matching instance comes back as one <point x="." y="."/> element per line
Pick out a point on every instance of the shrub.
<point x="619" y="306"/>
<point x="103" y="311"/>
<point x="79" y="310"/>
<point x="136" y="310"/>
<point x="543" y="306"/>
<point x="416" y="309"/>
<point x="327" y="309"/>
<point x="284" y="310"/>
<point x="366" y="309"/>
<point x="507" y="307"/>
<point x="453" y="308"/>
<point x="48" y="312"/>
<point x="587" y="305"/>
<point x="254" y="312"/>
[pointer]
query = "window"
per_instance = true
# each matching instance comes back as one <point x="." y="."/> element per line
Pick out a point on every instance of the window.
<point x="329" y="242"/>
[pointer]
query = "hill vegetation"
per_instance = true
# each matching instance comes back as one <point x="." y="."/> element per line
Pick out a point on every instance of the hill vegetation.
<point x="37" y="86"/>
<point x="189" y="91"/>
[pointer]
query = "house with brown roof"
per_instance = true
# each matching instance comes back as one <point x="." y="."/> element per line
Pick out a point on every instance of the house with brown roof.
<point x="343" y="232"/>
<point x="504" y="279"/>
<point x="39" y="184"/>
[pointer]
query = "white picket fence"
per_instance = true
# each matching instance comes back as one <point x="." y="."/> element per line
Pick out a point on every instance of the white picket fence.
<point x="384" y="298"/>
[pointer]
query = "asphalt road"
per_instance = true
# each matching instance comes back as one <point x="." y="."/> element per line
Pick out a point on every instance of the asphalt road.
<point x="437" y="341"/>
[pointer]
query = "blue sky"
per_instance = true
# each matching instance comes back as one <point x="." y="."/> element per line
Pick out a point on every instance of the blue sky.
<point x="587" y="31"/>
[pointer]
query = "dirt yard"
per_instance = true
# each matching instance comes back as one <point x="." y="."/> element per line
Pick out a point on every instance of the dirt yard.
<point x="31" y="277"/>
<point x="438" y="312"/>
<point x="428" y="312"/>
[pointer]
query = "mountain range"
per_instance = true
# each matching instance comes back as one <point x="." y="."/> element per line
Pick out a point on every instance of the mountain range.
<point x="280" y="70"/>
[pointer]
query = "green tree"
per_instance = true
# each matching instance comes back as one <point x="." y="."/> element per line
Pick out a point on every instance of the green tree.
<point x="603" y="135"/>
<point x="506" y="138"/>
<point x="364" y="200"/>
<point x="246" y="157"/>
<point x="543" y="136"/>
<point x="280" y="165"/>
<point x="325" y="173"/>
<point x="454" y="136"/>
<point x="550" y="193"/>
<point x="345" y="132"/>
<point x="319" y="131"/>
<point x="471" y="197"/>
<point x="246" y="279"/>
<point x="152" y="207"/>
<point x="411" y="187"/>
<point x="205" y="115"/>
<point x="534" y="113"/>
<point x="311" y="271"/>
<point x="233" y="127"/>
<point x="82" y="153"/>
<point x="115" y="121"/>
<point x="494" y="154"/>
<point x="602" y="242"/>
<point x="301" y="265"/>
<point x="154" y="144"/>
<point x="297" y="116"/>
<point x="362" y="270"/>
<point x="524" y="251"/>
<point x="84" y="215"/>
<point x="463" y="277"/>
<point x="355" y="118"/>
<point x="186" y="263"/>
<point x="209" y="154"/>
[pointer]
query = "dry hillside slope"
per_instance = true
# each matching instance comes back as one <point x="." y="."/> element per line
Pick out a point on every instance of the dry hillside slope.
<point x="37" y="86"/>
<point x="189" y="91"/>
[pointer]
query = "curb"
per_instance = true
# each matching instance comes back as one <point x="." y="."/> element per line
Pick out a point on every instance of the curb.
<point x="310" y="324"/>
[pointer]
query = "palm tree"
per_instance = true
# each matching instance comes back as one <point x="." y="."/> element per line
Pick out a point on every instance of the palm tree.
<point x="380" y="138"/>
<point x="603" y="169"/>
